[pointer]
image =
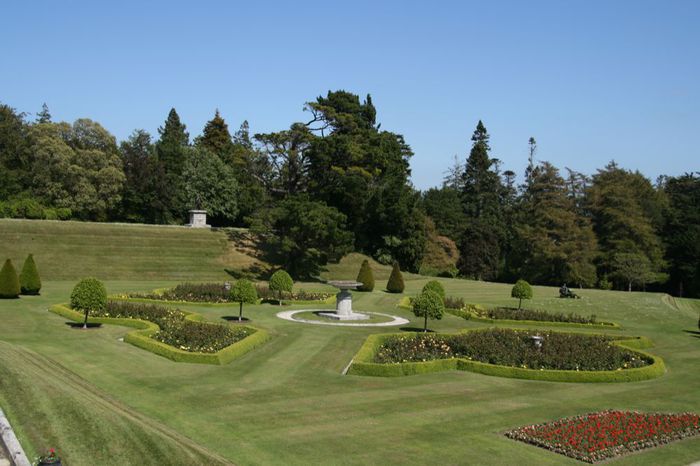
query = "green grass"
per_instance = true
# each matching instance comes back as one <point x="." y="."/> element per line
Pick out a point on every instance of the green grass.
<point x="91" y="395"/>
<point x="313" y="315"/>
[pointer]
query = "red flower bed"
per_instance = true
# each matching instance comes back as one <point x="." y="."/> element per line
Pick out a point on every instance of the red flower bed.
<point x="599" y="436"/>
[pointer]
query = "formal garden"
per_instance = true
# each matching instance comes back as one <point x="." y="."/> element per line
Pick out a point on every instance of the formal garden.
<point x="505" y="370"/>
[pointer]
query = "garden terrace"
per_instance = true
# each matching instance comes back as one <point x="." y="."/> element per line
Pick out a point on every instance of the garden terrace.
<point x="600" y="436"/>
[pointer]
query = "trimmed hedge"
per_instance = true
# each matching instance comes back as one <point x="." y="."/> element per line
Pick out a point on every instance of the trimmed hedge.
<point x="141" y="337"/>
<point x="29" y="281"/>
<point x="395" y="283"/>
<point x="467" y="315"/>
<point x="9" y="281"/>
<point x="366" y="277"/>
<point x="362" y="365"/>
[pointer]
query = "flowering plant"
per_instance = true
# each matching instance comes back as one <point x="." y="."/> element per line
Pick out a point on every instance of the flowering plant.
<point x="51" y="457"/>
<point x="599" y="436"/>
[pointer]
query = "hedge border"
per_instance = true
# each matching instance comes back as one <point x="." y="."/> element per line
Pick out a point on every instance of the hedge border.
<point x="362" y="365"/>
<point x="141" y="337"/>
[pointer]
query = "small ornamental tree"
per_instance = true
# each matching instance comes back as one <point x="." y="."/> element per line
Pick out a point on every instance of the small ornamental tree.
<point x="436" y="287"/>
<point x="521" y="290"/>
<point x="395" y="283"/>
<point x="9" y="282"/>
<point x="366" y="277"/>
<point x="280" y="282"/>
<point x="88" y="295"/>
<point x="29" y="280"/>
<point x="244" y="292"/>
<point x="428" y="305"/>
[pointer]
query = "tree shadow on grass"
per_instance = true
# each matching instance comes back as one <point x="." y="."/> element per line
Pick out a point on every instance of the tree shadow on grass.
<point x="80" y="325"/>
<point x="234" y="319"/>
<point x="694" y="333"/>
<point x="415" y="329"/>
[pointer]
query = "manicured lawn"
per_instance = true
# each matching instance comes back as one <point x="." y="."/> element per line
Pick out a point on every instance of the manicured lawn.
<point x="89" y="394"/>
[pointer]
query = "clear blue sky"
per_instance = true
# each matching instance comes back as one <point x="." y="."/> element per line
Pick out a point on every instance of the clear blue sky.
<point x="590" y="80"/>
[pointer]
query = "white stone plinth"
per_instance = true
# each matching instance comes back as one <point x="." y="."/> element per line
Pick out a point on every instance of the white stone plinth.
<point x="198" y="219"/>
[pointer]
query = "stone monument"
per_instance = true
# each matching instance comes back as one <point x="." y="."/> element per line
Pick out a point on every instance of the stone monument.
<point x="198" y="219"/>
<point x="343" y="302"/>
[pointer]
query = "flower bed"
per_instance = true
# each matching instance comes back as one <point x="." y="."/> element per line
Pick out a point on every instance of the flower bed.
<point x="175" y="330"/>
<point x="515" y="348"/>
<point x="216" y="293"/>
<point x="599" y="436"/>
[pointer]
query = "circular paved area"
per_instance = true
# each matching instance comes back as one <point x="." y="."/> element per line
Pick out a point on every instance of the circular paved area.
<point x="289" y="315"/>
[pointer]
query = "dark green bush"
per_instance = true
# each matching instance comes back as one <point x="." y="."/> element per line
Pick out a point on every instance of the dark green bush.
<point x="395" y="283"/>
<point x="366" y="277"/>
<point x="436" y="287"/>
<point x="27" y="208"/>
<point x="29" y="281"/>
<point x="9" y="281"/>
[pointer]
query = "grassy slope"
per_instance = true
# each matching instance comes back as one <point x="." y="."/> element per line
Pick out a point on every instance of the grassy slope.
<point x="287" y="402"/>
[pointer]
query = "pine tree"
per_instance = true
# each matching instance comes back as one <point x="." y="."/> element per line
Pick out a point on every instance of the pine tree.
<point x="395" y="283"/>
<point x="217" y="138"/>
<point x="171" y="154"/>
<point x="44" y="116"/>
<point x="9" y="281"/>
<point x="29" y="281"/>
<point x="482" y="195"/>
<point x="366" y="277"/>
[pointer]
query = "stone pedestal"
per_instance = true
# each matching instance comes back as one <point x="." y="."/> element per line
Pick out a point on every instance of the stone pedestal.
<point x="343" y="304"/>
<point x="198" y="219"/>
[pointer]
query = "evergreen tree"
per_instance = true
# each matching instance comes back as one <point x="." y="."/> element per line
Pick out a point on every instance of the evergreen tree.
<point x="14" y="153"/>
<point x="480" y="245"/>
<point x="44" y="116"/>
<point x="171" y="153"/>
<point x="29" y="280"/>
<point x="9" y="281"/>
<point x="366" y="277"/>
<point x="625" y="210"/>
<point x="554" y="243"/>
<point x="682" y="234"/>
<point x="217" y="139"/>
<point x="144" y="189"/>
<point x="395" y="283"/>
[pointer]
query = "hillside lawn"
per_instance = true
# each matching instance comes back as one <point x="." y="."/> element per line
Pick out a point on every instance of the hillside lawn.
<point x="101" y="401"/>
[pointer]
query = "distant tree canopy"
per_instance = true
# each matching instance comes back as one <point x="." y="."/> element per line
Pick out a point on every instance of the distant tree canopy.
<point x="337" y="182"/>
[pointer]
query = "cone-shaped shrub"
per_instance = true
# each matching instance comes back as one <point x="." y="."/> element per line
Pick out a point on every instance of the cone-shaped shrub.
<point x="29" y="281"/>
<point x="436" y="287"/>
<point x="395" y="283"/>
<point x="9" y="281"/>
<point x="366" y="277"/>
<point x="88" y="295"/>
<point x="281" y="282"/>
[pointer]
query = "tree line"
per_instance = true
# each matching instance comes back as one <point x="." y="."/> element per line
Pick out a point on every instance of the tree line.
<point x="338" y="182"/>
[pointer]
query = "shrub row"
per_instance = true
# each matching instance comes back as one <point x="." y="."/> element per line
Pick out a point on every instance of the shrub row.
<point x="27" y="282"/>
<point x="216" y="293"/>
<point x="363" y="364"/>
<point x="481" y="314"/>
<point x="31" y="209"/>
<point x="146" y="331"/>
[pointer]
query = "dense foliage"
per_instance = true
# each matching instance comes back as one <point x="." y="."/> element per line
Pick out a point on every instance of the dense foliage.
<point x="89" y="294"/>
<point x="9" y="281"/>
<point x="436" y="287"/>
<point x="366" y="277"/>
<point x="428" y="305"/>
<point x="244" y="292"/>
<point x="506" y="347"/>
<point x="338" y="182"/>
<point x="217" y="293"/>
<point x="280" y="282"/>
<point x="600" y="436"/>
<point x="29" y="280"/>
<point x="395" y="283"/>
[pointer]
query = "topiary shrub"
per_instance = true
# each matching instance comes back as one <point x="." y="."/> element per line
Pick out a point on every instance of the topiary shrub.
<point x="29" y="281"/>
<point x="521" y="290"/>
<point x="9" y="282"/>
<point x="395" y="283"/>
<point x="88" y="295"/>
<point x="366" y="277"/>
<point x="428" y="304"/>
<point x="281" y="282"/>
<point x="436" y="287"/>
<point x="244" y="292"/>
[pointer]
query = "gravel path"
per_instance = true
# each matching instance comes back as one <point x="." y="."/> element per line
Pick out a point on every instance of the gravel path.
<point x="289" y="315"/>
